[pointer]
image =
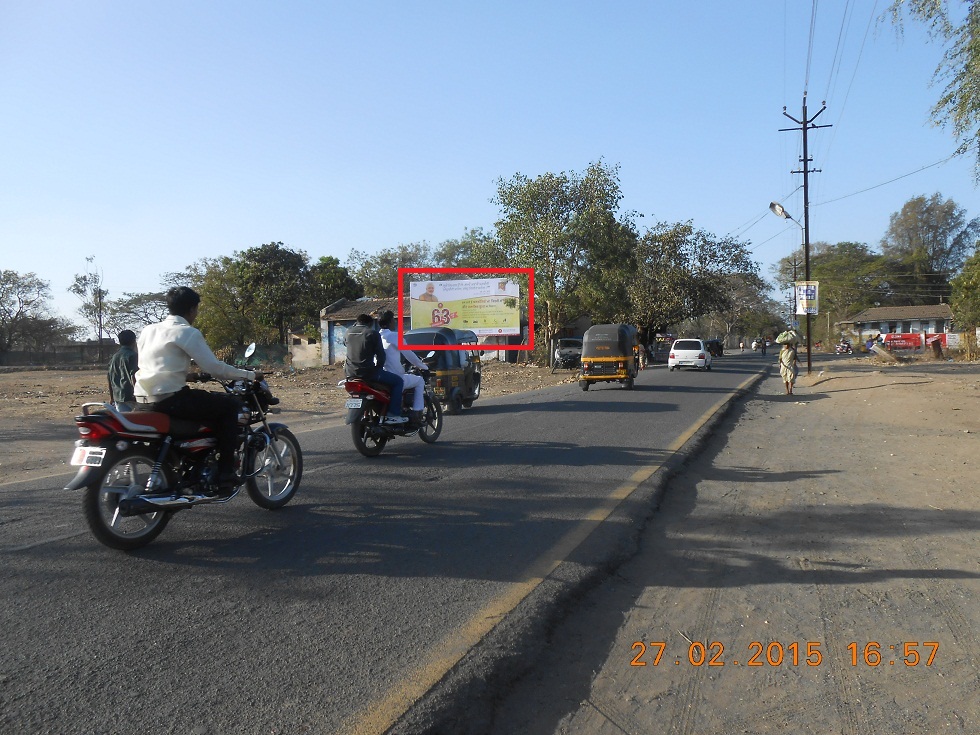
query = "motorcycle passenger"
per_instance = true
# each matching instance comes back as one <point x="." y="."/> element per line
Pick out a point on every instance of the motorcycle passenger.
<point x="122" y="366"/>
<point x="366" y="360"/>
<point x="165" y="353"/>
<point x="393" y="364"/>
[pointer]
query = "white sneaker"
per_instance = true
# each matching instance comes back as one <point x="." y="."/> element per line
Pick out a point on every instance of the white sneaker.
<point x="395" y="420"/>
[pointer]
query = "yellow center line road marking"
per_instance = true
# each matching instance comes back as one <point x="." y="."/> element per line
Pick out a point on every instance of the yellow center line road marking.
<point x="380" y="715"/>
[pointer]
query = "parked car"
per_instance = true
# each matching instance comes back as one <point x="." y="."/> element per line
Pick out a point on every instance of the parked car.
<point x="689" y="353"/>
<point x="715" y="347"/>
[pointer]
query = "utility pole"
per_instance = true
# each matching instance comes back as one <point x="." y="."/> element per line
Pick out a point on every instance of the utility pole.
<point x="806" y="124"/>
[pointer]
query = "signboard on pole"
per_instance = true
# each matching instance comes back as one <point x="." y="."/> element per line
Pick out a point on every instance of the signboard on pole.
<point x="807" y="297"/>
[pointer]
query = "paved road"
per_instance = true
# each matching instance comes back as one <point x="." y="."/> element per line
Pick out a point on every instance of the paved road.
<point x="338" y="612"/>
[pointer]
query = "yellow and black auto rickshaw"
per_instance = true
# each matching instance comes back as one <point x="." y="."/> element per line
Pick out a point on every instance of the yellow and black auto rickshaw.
<point x="455" y="373"/>
<point x="610" y="352"/>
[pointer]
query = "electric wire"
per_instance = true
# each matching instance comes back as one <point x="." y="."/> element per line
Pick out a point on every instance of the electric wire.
<point x="809" y="51"/>
<point x="850" y="84"/>
<point x="876" y="186"/>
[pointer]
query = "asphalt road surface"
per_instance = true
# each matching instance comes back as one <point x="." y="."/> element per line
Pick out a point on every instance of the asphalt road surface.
<point x="341" y="611"/>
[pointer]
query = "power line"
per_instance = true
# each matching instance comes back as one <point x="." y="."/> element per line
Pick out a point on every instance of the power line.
<point x="809" y="51"/>
<point x="897" y="178"/>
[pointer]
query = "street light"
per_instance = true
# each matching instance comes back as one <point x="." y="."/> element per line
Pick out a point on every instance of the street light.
<point x="777" y="209"/>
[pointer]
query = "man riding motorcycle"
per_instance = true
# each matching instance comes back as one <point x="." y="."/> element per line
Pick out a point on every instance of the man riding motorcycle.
<point x="393" y="364"/>
<point x="165" y="352"/>
<point x="366" y="360"/>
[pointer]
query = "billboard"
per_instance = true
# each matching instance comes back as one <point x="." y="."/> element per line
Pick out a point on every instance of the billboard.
<point x="487" y="306"/>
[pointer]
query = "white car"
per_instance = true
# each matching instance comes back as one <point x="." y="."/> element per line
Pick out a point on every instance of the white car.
<point x="689" y="353"/>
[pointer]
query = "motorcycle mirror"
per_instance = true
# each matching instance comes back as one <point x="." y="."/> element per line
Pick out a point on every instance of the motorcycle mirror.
<point x="250" y="350"/>
<point x="432" y="353"/>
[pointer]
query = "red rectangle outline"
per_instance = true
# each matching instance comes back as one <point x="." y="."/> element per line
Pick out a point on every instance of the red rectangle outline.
<point x="483" y="271"/>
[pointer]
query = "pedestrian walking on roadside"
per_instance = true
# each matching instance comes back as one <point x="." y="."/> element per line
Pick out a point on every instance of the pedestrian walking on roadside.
<point x="789" y="366"/>
<point x="741" y="346"/>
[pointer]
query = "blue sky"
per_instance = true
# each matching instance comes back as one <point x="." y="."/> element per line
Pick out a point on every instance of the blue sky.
<point x="152" y="134"/>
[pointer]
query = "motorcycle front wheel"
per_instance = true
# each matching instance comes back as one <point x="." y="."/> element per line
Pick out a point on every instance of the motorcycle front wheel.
<point x="275" y="471"/>
<point x="431" y="421"/>
<point x="364" y="442"/>
<point x="125" y="477"/>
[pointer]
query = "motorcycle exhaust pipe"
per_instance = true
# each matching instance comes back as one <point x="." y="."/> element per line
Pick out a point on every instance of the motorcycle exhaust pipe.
<point x="142" y="504"/>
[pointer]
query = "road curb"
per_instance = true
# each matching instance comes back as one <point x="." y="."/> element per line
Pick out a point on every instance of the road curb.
<point x="463" y="702"/>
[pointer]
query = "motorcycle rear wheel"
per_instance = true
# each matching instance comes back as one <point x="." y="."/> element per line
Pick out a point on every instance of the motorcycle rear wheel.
<point x="125" y="476"/>
<point x="364" y="442"/>
<point x="276" y="471"/>
<point x="432" y="421"/>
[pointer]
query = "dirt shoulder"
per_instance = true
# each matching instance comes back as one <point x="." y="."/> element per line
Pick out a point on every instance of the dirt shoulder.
<point x="845" y="515"/>
<point x="38" y="406"/>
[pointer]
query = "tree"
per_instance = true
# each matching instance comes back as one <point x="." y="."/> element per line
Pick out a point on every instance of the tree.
<point x="135" y="310"/>
<point x="959" y="104"/>
<point x="929" y="238"/>
<point x="88" y="288"/>
<point x="683" y="273"/>
<point x="851" y="277"/>
<point x="560" y="225"/>
<point x="40" y="333"/>
<point x="327" y="281"/>
<point x="743" y="293"/>
<point x="23" y="300"/>
<point x="464" y="252"/>
<point x="378" y="273"/>
<point x="274" y="280"/>
<point x="966" y="294"/>
<point x="227" y="311"/>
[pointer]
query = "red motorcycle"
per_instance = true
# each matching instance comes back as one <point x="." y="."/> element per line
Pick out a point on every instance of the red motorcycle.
<point x="140" y="468"/>
<point x="368" y="405"/>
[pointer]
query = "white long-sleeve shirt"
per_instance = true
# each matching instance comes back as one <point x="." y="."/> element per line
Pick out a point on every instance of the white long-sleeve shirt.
<point x="165" y="352"/>
<point x="393" y="363"/>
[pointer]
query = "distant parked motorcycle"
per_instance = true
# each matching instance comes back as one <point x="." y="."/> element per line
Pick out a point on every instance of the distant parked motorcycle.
<point x="566" y="361"/>
<point x="843" y="348"/>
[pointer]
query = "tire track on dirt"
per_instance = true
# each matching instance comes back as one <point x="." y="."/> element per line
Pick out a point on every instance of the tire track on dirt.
<point x="941" y="593"/>
<point x="847" y="690"/>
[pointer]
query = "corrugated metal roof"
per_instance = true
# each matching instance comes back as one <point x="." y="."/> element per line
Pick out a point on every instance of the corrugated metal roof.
<point x="901" y="313"/>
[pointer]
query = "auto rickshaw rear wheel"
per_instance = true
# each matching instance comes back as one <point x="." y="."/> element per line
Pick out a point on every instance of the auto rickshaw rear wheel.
<point x="454" y="404"/>
<point x="584" y="384"/>
<point x="629" y="383"/>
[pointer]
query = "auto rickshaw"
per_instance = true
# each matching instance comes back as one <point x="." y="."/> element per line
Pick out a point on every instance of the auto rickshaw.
<point x="455" y="373"/>
<point x="610" y="352"/>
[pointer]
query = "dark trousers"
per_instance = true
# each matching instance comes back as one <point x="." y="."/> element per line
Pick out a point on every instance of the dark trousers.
<point x="218" y="410"/>
<point x="395" y="387"/>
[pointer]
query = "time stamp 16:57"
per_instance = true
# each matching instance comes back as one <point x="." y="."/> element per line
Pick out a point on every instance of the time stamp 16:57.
<point x="774" y="653"/>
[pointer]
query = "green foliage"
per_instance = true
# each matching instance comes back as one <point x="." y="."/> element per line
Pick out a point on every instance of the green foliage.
<point x="226" y="316"/>
<point x="263" y="293"/>
<point x="928" y="240"/>
<point x="328" y="281"/>
<point x="88" y="288"/>
<point x="274" y="280"/>
<point x="562" y="225"/>
<point x="959" y="104"/>
<point x="684" y="273"/>
<point x="378" y="273"/>
<point x="966" y="294"/>
<point x="465" y="252"/>
<point x="24" y="303"/>
<point x="134" y="311"/>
